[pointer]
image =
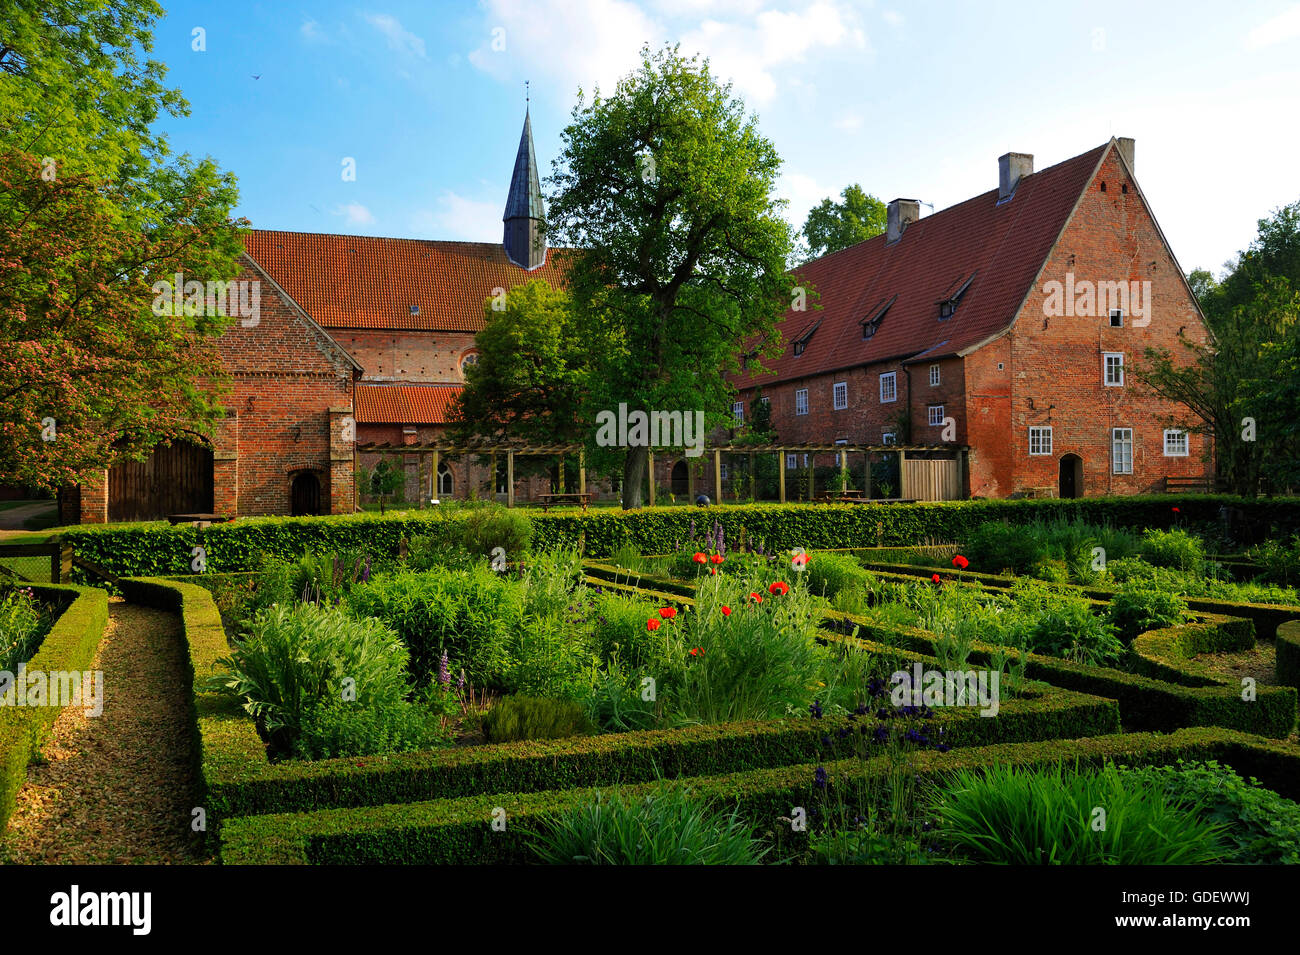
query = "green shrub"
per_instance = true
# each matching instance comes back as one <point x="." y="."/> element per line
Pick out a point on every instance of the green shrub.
<point x="1260" y="827"/>
<point x="526" y="717"/>
<point x="473" y="615"/>
<point x="997" y="547"/>
<point x="1175" y="548"/>
<point x="829" y="575"/>
<point x="484" y="529"/>
<point x="866" y="845"/>
<point x="1137" y="608"/>
<point x="618" y="627"/>
<point x="1051" y="816"/>
<point x="298" y="660"/>
<point x="667" y="828"/>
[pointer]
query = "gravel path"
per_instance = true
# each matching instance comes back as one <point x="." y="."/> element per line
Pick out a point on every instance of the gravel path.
<point x="116" y="788"/>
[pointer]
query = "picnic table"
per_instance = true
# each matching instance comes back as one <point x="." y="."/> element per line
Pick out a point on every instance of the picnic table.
<point x="841" y="497"/>
<point x="568" y="497"/>
<point x="197" y="518"/>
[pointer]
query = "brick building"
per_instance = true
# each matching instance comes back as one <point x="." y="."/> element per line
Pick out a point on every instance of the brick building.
<point x="1008" y="323"/>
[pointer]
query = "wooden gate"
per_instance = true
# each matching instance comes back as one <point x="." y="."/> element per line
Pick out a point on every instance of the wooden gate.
<point x="172" y="480"/>
<point x="932" y="480"/>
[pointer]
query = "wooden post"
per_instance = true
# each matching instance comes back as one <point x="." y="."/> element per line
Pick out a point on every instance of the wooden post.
<point x="433" y="477"/>
<point x="717" y="476"/>
<point x="844" y="469"/>
<point x="866" y="482"/>
<point x="650" y="471"/>
<point x="752" y="495"/>
<point x="561" y="487"/>
<point x="812" y="475"/>
<point x="582" y="471"/>
<point x="902" y="475"/>
<point x="690" y="481"/>
<point x="510" y="479"/>
<point x="492" y="481"/>
<point x="780" y="471"/>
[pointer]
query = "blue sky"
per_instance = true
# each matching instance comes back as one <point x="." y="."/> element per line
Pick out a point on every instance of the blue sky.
<point x="907" y="99"/>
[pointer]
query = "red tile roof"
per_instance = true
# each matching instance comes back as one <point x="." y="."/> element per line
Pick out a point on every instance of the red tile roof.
<point x="1003" y="246"/>
<point x="405" y="404"/>
<point x="353" y="281"/>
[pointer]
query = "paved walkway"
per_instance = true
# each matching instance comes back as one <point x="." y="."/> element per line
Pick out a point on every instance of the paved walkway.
<point x="12" y="518"/>
<point x="118" y="787"/>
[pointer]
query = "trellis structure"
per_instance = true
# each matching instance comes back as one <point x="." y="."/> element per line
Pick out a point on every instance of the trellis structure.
<point x="436" y="450"/>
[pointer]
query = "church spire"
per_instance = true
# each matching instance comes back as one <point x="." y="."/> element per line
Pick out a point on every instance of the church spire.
<point x="525" y="235"/>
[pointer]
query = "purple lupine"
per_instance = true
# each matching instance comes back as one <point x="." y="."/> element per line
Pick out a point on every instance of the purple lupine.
<point x="365" y="572"/>
<point x="460" y="683"/>
<point x="444" y="672"/>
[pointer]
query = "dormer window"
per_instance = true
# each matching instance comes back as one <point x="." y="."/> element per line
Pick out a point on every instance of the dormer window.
<point x="871" y="324"/>
<point x="415" y="310"/>
<point x="801" y="342"/>
<point x="952" y="297"/>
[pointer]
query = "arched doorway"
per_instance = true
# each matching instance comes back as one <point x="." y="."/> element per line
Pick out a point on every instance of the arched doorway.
<point x="446" y="481"/>
<point x="680" y="481"/>
<point x="1070" y="482"/>
<point x="304" y="495"/>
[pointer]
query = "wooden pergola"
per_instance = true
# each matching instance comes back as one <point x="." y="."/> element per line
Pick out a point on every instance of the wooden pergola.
<point x="436" y="449"/>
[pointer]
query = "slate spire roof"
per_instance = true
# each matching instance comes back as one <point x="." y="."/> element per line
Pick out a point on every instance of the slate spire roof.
<point x="524" y="238"/>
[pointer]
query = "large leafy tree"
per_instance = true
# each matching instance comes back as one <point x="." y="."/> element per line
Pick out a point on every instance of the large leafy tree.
<point x="832" y="226"/>
<point x="1236" y="388"/>
<point x="527" y="384"/>
<point x="665" y="190"/>
<point x="93" y="211"/>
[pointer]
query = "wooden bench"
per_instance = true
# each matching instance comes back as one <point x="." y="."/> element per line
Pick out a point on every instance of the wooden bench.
<point x="1179" y="484"/>
<point x="197" y="518"/>
<point x="546" y="501"/>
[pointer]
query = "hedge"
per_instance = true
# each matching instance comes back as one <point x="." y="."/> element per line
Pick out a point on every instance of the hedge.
<point x="1169" y="653"/>
<point x="1288" y="653"/>
<point x="69" y="646"/>
<point x="239" y="780"/>
<point x="1266" y="617"/>
<point x="459" y="831"/>
<point x="157" y="549"/>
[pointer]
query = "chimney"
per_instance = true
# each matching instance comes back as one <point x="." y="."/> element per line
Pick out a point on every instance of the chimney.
<point x="1125" y="146"/>
<point x="1012" y="167"/>
<point x="901" y="213"/>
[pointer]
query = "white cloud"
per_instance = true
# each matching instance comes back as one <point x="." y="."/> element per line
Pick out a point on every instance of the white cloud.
<point x="311" y="31"/>
<point x="595" y="42"/>
<point x="893" y="18"/>
<point x="400" y="40"/>
<point x="460" y="217"/>
<point x="849" y="122"/>
<point x="355" y="213"/>
<point x="801" y="192"/>
<point x="1283" y="27"/>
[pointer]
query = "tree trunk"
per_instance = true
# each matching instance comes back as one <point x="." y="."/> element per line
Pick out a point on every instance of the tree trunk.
<point x="634" y="474"/>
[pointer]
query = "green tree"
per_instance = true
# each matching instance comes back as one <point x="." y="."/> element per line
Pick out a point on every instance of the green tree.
<point x="832" y="226"/>
<point x="666" y="191"/>
<point x="93" y="212"/>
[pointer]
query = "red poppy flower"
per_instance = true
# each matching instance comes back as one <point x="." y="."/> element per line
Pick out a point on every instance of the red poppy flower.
<point x="652" y="624"/>
<point x="935" y="578"/>
<point x="961" y="562"/>
<point x="716" y="559"/>
<point x="713" y="570"/>
<point x="799" y="560"/>
<point x="1176" y="511"/>
<point x="779" y="588"/>
<point x="697" y="651"/>
<point x="757" y="598"/>
<point x="726" y="611"/>
<point x="668" y="612"/>
<point x="699" y="558"/>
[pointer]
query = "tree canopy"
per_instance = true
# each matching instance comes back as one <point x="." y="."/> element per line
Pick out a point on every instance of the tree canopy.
<point x="832" y="226"/>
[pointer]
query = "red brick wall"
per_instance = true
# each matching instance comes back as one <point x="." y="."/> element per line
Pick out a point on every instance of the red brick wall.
<point x="1056" y="361"/>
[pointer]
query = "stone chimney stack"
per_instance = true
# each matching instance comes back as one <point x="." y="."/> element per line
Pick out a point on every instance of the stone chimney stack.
<point x="1125" y="146"/>
<point x="1012" y="167"/>
<point x="901" y="213"/>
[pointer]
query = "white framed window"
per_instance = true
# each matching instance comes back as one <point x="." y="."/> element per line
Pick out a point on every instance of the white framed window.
<point x="801" y="401"/>
<point x="888" y="437"/>
<point x="934" y="376"/>
<point x="889" y="386"/>
<point x="791" y="462"/>
<point x="935" y="415"/>
<point x="1040" y="440"/>
<point x="723" y="471"/>
<point x="1113" y="369"/>
<point x="766" y="399"/>
<point x="840" y="392"/>
<point x="1121" y="450"/>
<point x="1175" y="443"/>
<point x="1117" y="318"/>
<point x="738" y="411"/>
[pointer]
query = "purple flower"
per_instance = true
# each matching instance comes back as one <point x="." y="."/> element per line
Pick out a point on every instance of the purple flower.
<point x="882" y="733"/>
<point x="820" y="779"/>
<point x="460" y="683"/>
<point x="444" y="673"/>
<point x="815" y="708"/>
<point x="365" y="572"/>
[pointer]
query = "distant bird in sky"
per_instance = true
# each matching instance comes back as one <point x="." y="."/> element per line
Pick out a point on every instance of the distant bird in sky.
<point x="257" y="76"/>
